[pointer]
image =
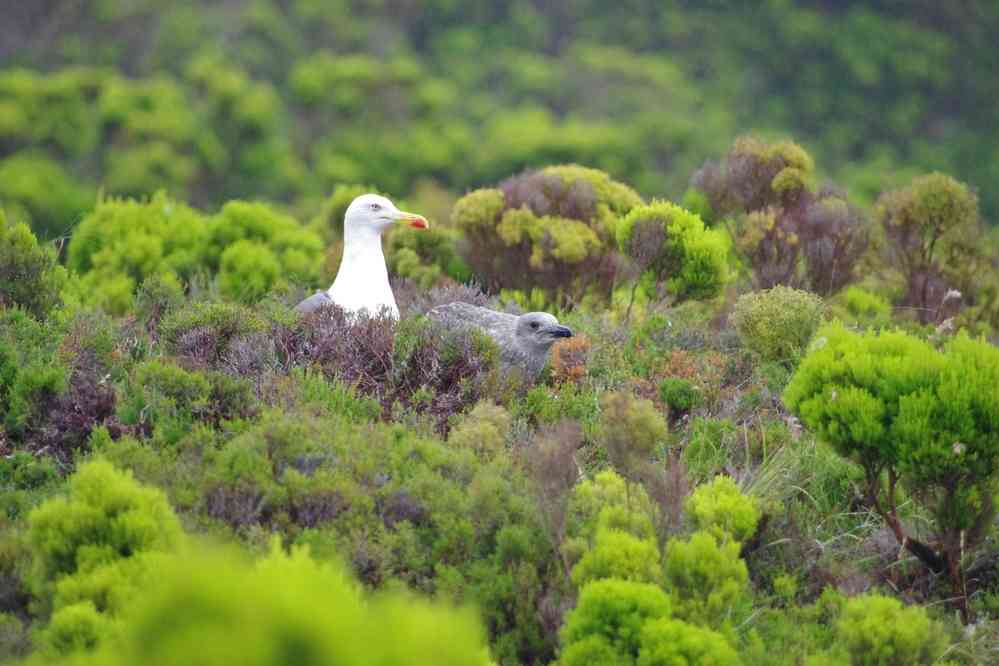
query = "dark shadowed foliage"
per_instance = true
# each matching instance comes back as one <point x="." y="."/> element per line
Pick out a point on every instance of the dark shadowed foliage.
<point x="786" y="230"/>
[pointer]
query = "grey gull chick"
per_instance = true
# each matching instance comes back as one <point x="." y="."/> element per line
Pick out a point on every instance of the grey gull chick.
<point x="523" y="341"/>
<point x="361" y="283"/>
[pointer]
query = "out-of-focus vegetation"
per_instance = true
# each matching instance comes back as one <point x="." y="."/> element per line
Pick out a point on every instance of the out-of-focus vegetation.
<point x="773" y="439"/>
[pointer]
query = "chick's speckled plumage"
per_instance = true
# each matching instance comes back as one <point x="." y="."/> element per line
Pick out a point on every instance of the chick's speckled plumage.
<point x="523" y="341"/>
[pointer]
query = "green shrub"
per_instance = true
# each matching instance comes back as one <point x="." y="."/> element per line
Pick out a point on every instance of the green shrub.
<point x="720" y="508"/>
<point x="607" y="502"/>
<point x="105" y="517"/>
<point x="30" y="372"/>
<point x="923" y="223"/>
<point x="551" y="229"/>
<point x="291" y="608"/>
<point x="606" y="625"/>
<point x="631" y="429"/>
<point x="901" y="408"/>
<point x="679" y="394"/>
<point x="619" y="555"/>
<point x="672" y="249"/>
<point x="667" y="642"/>
<point x="707" y="579"/>
<point x="30" y="276"/>
<point x="878" y="631"/>
<point x="38" y="190"/>
<point x="778" y="323"/>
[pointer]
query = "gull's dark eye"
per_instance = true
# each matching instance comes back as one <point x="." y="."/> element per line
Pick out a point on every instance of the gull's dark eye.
<point x="375" y="206"/>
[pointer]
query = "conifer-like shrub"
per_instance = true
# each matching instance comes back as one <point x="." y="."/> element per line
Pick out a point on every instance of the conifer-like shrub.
<point x="31" y="376"/>
<point x="719" y="507"/>
<point x="875" y="630"/>
<point x="617" y="554"/>
<point x="606" y="625"/>
<point x="778" y="323"/>
<point x="934" y="237"/>
<point x="30" y="275"/>
<point x="90" y="551"/>
<point x="552" y="229"/>
<point x="921" y="417"/>
<point x="786" y="230"/>
<point x="674" y="251"/>
<point x="707" y="580"/>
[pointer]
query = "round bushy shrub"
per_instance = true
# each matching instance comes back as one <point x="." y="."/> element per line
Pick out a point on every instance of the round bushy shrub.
<point x="720" y="508"/>
<point x="785" y="230"/>
<point x="552" y="229"/>
<point x="925" y="417"/>
<point x="30" y="275"/>
<point x="608" y="621"/>
<point x="778" y="323"/>
<point x="673" y="249"/>
<point x="619" y="555"/>
<point x="106" y="516"/>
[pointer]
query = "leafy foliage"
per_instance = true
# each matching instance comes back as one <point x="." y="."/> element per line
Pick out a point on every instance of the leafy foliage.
<point x="720" y="508"/>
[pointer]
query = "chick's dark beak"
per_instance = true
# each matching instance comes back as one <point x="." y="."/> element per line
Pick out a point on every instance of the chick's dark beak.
<point x="559" y="331"/>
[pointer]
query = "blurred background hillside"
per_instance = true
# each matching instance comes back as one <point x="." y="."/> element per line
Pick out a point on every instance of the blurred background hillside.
<point x="285" y="99"/>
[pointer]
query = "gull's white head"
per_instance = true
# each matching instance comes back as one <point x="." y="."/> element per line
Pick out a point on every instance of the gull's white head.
<point x="371" y="212"/>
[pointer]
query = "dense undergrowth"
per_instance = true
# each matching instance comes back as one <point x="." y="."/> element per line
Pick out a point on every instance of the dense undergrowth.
<point x="709" y="472"/>
<point x="773" y="439"/>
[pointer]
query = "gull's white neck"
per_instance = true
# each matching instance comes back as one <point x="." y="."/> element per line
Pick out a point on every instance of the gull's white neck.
<point x="362" y="280"/>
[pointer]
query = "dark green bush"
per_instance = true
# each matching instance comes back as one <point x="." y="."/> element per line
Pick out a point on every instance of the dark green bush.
<point x="30" y="276"/>
<point x="778" y="323"/>
<point x="679" y="394"/>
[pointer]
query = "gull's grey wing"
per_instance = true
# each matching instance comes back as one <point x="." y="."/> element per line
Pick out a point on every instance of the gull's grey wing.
<point x="313" y="303"/>
<point x="464" y="314"/>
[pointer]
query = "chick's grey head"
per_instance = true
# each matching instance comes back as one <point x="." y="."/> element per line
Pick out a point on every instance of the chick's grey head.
<point x="540" y="330"/>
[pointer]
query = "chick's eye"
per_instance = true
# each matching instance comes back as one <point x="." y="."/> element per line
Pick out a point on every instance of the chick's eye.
<point x="534" y="325"/>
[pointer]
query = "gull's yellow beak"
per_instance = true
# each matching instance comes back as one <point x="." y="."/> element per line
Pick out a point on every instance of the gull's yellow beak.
<point x="413" y="220"/>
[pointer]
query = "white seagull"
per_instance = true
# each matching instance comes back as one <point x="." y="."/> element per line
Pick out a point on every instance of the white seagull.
<point x="362" y="283"/>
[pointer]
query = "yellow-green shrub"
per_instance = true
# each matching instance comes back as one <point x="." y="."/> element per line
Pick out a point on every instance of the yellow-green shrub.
<point x="778" y="323"/>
